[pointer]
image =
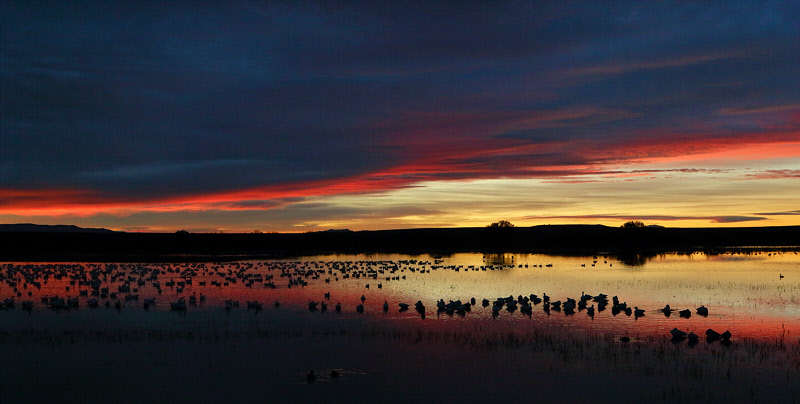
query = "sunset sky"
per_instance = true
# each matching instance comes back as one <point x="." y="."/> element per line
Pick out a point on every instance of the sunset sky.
<point x="302" y="116"/>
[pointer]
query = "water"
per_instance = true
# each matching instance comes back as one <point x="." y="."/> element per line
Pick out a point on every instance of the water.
<point x="743" y="291"/>
<point x="402" y="355"/>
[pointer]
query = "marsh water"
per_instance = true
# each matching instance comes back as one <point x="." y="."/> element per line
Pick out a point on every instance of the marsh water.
<point x="753" y="294"/>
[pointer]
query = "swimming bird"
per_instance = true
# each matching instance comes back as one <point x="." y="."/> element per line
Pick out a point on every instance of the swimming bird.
<point x="147" y="302"/>
<point x="360" y="308"/>
<point x="638" y="312"/>
<point x="712" y="335"/>
<point x="726" y="335"/>
<point x="590" y="311"/>
<point x="310" y="377"/>
<point x="403" y="306"/>
<point x="338" y="307"/>
<point x="180" y="305"/>
<point x="666" y="310"/>
<point x="685" y="313"/>
<point x="334" y="373"/>
<point x="676" y="333"/>
<point x="693" y="337"/>
<point x="363" y="298"/>
<point x="385" y="306"/>
<point x="702" y="310"/>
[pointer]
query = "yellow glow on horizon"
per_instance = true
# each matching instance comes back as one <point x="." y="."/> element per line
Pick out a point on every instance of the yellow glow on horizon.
<point x="719" y="188"/>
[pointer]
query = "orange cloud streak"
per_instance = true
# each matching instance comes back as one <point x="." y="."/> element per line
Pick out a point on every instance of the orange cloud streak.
<point x="434" y="159"/>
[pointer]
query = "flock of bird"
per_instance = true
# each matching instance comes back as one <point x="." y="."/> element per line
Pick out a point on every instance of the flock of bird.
<point x="118" y="285"/>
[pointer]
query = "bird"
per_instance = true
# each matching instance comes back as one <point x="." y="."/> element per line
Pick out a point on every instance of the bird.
<point x="676" y="333"/>
<point x="385" y="306"/>
<point x="702" y="310"/>
<point x="685" y="313"/>
<point x="638" y="312"/>
<point x="310" y="377"/>
<point x="360" y="308"/>
<point x="363" y="298"/>
<point x="693" y="337"/>
<point x="334" y="373"/>
<point x="338" y="307"/>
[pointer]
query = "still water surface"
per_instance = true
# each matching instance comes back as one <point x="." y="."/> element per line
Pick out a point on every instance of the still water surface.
<point x="744" y="292"/>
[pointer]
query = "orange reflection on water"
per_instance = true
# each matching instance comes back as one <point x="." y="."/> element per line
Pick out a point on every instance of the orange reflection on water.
<point x="743" y="292"/>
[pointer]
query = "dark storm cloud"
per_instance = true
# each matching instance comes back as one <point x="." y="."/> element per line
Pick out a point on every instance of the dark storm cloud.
<point x="147" y="101"/>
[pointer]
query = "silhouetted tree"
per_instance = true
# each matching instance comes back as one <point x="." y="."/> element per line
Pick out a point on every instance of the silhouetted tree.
<point x="634" y="260"/>
<point x="633" y="224"/>
<point x="502" y="223"/>
<point x="182" y="232"/>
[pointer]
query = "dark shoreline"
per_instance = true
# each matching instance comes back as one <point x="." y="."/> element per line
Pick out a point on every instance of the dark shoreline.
<point x="547" y="239"/>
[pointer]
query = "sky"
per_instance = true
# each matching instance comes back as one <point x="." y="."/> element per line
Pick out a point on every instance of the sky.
<point x="303" y="116"/>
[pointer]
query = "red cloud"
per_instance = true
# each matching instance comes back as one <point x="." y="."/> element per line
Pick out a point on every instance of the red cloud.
<point x="451" y="147"/>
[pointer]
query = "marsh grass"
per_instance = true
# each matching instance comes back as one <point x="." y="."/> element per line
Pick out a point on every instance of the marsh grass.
<point x="649" y="367"/>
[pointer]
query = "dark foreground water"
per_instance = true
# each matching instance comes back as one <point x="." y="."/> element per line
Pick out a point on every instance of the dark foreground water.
<point x="208" y="353"/>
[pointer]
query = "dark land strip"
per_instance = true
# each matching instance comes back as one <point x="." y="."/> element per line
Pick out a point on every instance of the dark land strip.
<point x="546" y="239"/>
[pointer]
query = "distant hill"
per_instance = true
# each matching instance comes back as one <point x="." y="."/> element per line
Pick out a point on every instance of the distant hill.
<point x="44" y="228"/>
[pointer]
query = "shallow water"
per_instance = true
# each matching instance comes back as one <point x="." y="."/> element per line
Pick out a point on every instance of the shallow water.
<point x="743" y="292"/>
